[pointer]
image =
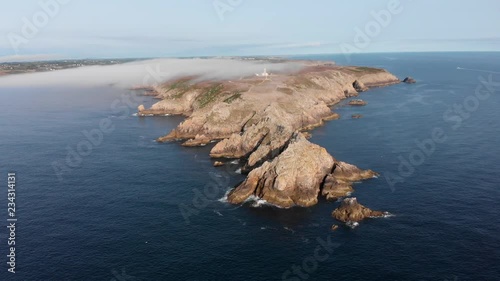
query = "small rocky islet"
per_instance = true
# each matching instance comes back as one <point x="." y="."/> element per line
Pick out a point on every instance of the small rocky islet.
<point x="264" y="121"/>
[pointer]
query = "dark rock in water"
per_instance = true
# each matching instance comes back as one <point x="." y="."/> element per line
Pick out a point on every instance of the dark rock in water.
<point x="351" y="211"/>
<point x="409" y="80"/>
<point x="359" y="86"/>
<point x="358" y="102"/>
<point x="356" y="116"/>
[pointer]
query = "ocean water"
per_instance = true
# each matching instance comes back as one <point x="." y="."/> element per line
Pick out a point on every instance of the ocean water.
<point x="134" y="209"/>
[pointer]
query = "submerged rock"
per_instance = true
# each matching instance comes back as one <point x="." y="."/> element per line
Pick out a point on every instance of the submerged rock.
<point x="351" y="211"/>
<point x="358" y="102"/>
<point x="357" y="116"/>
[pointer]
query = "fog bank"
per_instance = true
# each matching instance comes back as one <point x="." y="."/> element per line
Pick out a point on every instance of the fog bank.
<point x="149" y="72"/>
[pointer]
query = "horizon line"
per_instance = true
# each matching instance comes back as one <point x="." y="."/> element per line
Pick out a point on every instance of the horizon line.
<point x="230" y="56"/>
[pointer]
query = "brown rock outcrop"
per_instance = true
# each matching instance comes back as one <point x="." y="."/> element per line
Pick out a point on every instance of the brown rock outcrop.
<point x="287" y="181"/>
<point x="334" y="189"/>
<point x="218" y="164"/>
<point x="351" y="211"/>
<point x="346" y="172"/>
<point x="339" y="183"/>
<point x="409" y="80"/>
<point x="358" y="102"/>
<point x="359" y="86"/>
<point x="199" y="140"/>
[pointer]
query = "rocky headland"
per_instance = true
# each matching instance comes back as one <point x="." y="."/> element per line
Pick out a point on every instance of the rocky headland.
<point x="263" y="120"/>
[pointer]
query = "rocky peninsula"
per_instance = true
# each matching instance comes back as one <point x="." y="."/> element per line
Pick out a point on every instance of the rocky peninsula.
<point x="262" y="118"/>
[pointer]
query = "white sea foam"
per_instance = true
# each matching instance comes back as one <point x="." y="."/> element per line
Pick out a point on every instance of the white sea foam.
<point x="217" y="175"/>
<point x="267" y="227"/>
<point x="352" y="224"/>
<point x="388" y="215"/>
<point x="385" y="215"/>
<point x="256" y="201"/>
<point x="218" y="213"/>
<point x="235" y="162"/>
<point x="224" y="198"/>
<point x="238" y="171"/>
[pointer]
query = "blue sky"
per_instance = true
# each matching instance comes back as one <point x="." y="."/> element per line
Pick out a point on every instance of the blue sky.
<point x="154" y="28"/>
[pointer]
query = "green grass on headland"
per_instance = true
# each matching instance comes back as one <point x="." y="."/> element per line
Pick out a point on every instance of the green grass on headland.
<point x="210" y="95"/>
<point x="236" y="95"/>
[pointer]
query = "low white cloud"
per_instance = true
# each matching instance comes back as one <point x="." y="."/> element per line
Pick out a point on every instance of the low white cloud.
<point x="295" y="45"/>
<point x="147" y="72"/>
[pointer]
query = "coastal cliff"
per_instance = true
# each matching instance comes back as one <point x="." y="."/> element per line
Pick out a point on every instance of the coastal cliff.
<point x="261" y="120"/>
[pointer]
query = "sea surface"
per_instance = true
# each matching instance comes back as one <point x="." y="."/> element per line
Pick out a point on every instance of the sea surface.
<point x="134" y="209"/>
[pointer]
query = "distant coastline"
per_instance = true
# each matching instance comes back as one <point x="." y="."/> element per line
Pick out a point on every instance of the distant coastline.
<point x="11" y="68"/>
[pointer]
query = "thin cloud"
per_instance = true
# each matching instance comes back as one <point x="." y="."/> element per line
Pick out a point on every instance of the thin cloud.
<point x="27" y="58"/>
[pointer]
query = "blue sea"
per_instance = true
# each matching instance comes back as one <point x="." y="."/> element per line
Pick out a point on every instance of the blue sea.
<point x="98" y="199"/>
